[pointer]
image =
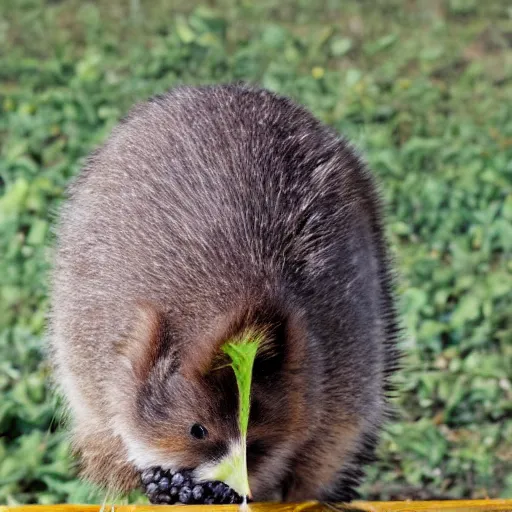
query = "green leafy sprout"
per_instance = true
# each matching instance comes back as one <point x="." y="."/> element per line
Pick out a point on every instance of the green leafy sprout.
<point x="242" y="356"/>
<point x="233" y="469"/>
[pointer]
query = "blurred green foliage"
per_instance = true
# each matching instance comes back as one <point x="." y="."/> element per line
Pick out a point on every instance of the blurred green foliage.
<point x="424" y="90"/>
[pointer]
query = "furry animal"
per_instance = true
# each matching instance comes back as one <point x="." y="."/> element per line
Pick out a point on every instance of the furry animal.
<point x="207" y="212"/>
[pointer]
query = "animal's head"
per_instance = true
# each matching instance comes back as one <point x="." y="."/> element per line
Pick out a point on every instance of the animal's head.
<point x="180" y="401"/>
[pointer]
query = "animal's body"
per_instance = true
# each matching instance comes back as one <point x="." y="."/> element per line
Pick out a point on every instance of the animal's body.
<point x="210" y="211"/>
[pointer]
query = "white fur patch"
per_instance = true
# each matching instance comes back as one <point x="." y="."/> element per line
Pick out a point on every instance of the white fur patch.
<point x="210" y="471"/>
<point x="139" y="453"/>
<point x="144" y="457"/>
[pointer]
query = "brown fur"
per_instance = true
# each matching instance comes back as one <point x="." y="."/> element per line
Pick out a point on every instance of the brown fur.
<point x="146" y="341"/>
<point x="103" y="459"/>
<point x="208" y="213"/>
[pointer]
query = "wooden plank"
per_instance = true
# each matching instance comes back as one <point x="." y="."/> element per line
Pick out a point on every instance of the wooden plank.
<point x="311" y="506"/>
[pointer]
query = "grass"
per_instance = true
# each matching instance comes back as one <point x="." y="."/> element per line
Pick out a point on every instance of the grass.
<point x="422" y="87"/>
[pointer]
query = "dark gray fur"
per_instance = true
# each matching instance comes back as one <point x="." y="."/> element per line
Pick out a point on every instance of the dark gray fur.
<point x="203" y="199"/>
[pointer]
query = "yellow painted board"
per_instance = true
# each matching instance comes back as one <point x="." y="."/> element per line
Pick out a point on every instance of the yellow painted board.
<point x="311" y="506"/>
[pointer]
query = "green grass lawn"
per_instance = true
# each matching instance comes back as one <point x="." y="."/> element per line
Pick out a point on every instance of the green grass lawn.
<point x="424" y="89"/>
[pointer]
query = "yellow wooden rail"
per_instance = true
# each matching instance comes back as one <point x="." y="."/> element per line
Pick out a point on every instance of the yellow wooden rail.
<point x="310" y="506"/>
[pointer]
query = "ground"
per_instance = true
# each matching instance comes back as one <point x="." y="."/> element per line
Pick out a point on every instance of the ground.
<point x="423" y="88"/>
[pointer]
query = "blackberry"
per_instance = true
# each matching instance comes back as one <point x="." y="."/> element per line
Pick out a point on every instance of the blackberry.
<point x="177" y="479"/>
<point x="170" y="487"/>
<point x="185" y="495"/>
<point x="197" y="493"/>
<point x="164" y="484"/>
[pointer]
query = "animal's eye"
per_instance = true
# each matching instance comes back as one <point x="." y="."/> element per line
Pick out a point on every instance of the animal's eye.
<point x="198" y="431"/>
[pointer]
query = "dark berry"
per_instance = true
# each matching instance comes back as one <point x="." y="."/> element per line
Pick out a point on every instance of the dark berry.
<point x="177" y="479"/>
<point x="208" y="487"/>
<point x="227" y="496"/>
<point x="169" y="487"/>
<point x="164" y="498"/>
<point x="152" y="488"/>
<point x="185" y="495"/>
<point x="198" y="492"/>
<point x="164" y="484"/>
<point x="147" y="476"/>
<point x="218" y="489"/>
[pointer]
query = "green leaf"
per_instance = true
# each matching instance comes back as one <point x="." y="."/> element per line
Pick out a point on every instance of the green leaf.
<point x="341" y="46"/>
<point x="233" y="469"/>
<point x="242" y="356"/>
<point x="13" y="200"/>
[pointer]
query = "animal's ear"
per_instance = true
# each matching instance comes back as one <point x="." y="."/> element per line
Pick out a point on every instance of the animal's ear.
<point x="147" y="340"/>
<point x="284" y="344"/>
